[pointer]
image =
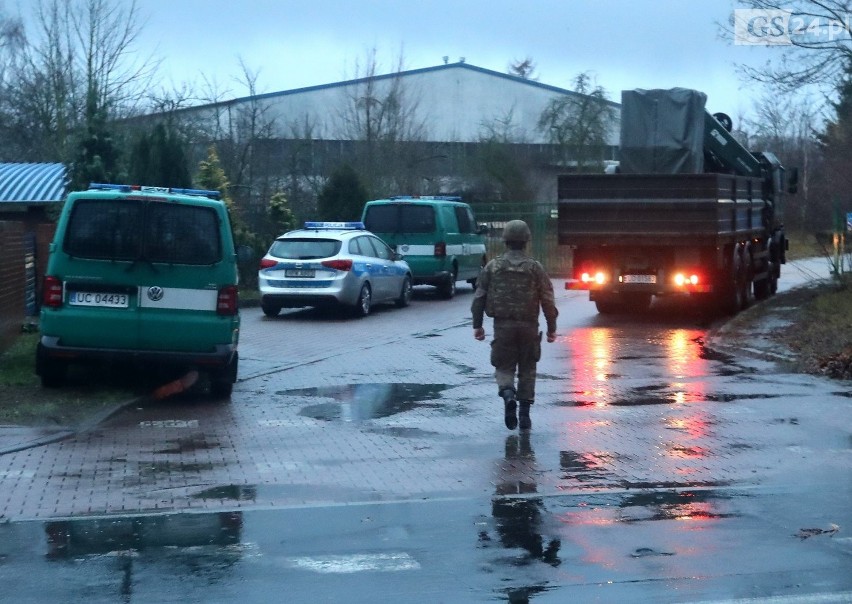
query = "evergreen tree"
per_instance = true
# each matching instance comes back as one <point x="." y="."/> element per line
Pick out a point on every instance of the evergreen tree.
<point x="343" y="196"/>
<point x="96" y="156"/>
<point x="281" y="217"/>
<point x="159" y="158"/>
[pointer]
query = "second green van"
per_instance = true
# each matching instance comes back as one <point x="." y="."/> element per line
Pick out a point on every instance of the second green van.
<point x="437" y="235"/>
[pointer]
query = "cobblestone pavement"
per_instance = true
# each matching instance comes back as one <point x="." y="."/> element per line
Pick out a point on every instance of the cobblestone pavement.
<point x="370" y="456"/>
<point x="327" y="412"/>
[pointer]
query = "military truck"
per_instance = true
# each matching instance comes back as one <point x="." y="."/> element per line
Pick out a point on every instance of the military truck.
<point x="689" y="211"/>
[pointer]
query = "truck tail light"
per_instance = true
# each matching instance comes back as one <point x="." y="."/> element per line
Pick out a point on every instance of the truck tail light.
<point x="598" y="278"/>
<point x="227" y="302"/>
<point x="686" y="279"/>
<point x="341" y="264"/>
<point x="52" y="292"/>
<point x="440" y="249"/>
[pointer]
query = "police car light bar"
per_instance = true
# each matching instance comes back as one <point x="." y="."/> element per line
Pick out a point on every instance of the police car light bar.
<point x="99" y="186"/>
<point x="335" y="225"/>
<point x="427" y="197"/>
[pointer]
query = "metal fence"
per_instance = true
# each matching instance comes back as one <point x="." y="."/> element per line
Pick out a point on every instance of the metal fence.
<point x="542" y="220"/>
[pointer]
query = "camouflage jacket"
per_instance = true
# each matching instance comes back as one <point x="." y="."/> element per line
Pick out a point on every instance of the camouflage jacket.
<point x="513" y="287"/>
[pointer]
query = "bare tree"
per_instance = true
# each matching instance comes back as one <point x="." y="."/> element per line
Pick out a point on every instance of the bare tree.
<point x="382" y="115"/>
<point x="786" y="125"/>
<point x="502" y="171"/>
<point x="817" y="44"/>
<point x="579" y="123"/>
<point x="78" y="66"/>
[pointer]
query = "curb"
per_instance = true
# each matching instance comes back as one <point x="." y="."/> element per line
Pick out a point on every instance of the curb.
<point x="82" y="428"/>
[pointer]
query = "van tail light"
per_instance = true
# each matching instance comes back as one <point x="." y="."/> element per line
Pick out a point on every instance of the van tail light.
<point x="267" y="263"/>
<point x="342" y="264"/>
<point x="440" y="249"/>
<point x="227" y="302"/>
<point x="52" y="292"/>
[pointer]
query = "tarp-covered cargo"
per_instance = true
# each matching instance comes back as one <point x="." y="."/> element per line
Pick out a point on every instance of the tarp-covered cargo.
<point x="662" y="131"/>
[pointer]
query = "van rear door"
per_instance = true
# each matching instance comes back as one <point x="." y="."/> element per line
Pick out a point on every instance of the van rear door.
<point x="179" y="280"/>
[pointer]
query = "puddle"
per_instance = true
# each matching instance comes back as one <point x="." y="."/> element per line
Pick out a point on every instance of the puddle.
<point x="403" y="432"/>
<point x="187" y="445"/>
<point x="230" y="492"/>
<point x="358" y="402"/>
<point x="586" y="467"/>
<point x="158" y="468"/>
<point x="74" y="538"/>
<point x="674" y="505"/>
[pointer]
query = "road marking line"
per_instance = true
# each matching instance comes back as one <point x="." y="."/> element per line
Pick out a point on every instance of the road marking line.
<point x="169" y="423"/>
<point x="354" y="563"/>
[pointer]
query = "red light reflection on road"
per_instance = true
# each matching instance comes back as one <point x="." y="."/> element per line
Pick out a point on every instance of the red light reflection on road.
<point x="591" y="357"/>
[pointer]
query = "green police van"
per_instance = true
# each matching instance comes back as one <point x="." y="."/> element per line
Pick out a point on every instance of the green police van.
<point x="437" y="235"/>
<point x="141" y="273"/>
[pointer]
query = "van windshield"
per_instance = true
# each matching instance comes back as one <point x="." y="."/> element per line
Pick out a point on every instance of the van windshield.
<point x="115" y="229"/>
<point x="400" y="218"/>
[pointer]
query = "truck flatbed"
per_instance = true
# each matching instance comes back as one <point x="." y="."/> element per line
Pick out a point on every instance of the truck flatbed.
<point x="670" y="209"/>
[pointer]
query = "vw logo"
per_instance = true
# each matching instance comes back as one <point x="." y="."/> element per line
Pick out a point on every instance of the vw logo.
<point x="155" y="293"/>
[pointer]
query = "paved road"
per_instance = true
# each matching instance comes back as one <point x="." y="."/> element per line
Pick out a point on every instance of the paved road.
<point x="364" y="460"/>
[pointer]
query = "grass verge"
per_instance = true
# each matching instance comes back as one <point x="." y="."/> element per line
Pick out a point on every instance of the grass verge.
<point x="24" y="402"/>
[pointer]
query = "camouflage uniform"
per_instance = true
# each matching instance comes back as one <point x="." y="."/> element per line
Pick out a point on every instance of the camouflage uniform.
<point x="511" y="289"/>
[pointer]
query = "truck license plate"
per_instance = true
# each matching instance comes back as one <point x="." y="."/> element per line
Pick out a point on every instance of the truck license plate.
<point x="107" y="300"/>
<point x="640" y="278"/>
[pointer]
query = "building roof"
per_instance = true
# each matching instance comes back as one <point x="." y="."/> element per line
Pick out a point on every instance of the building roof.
<point x="391" y="76"/>
<point x="31" y="184"/>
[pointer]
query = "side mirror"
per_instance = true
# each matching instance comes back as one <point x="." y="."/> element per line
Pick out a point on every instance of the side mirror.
<point x="245" y="253"/>
<point x="793" y="181"/>
<point x="482" y="229"/>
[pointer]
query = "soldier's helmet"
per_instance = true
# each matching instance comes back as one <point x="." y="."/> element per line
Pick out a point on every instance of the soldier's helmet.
<point x="516" y="230"/>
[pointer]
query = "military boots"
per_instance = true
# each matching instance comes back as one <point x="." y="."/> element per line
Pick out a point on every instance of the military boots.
<point x="524" y="415"/>
<point x="510" y="407"/>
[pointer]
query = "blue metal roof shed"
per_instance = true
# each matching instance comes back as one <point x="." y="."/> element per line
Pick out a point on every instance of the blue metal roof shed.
<point x="32" y="184"/>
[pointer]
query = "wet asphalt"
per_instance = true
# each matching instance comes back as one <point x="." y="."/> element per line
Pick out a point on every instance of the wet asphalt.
<point x="366" y="460"/>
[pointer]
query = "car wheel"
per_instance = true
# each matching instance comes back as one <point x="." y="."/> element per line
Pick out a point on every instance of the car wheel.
<point x="365" y="299"/>
<point x="222" y="380"/>
<point x="51" y="371"/>
<point x="447" y="289"/>
<point x="269" y="309"/>
<point x="404" y="295"/>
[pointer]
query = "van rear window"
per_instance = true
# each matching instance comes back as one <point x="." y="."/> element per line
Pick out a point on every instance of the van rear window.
<point x="113" y="229"/>
<point x="400" y="218"/>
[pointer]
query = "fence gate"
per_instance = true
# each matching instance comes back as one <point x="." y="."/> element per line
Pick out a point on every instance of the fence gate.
<point x="542" y="220"/>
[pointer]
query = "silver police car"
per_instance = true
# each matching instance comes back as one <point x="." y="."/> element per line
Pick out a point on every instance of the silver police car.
<point x="332" y="263"/>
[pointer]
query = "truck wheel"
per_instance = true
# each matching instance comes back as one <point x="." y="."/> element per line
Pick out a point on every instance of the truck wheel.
<point x="761" y="289"/>
<point x="731" y="293"/>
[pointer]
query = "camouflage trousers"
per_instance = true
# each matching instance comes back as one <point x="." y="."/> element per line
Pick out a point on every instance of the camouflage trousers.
<point x="516" y="348"/>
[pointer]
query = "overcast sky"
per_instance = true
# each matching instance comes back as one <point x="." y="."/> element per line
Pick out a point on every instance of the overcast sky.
<point x="295" y="43"/>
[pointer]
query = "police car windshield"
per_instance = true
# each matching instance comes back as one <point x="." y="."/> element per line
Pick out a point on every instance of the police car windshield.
<point x="305" y="249"/>
<point x="400" y="218"/>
